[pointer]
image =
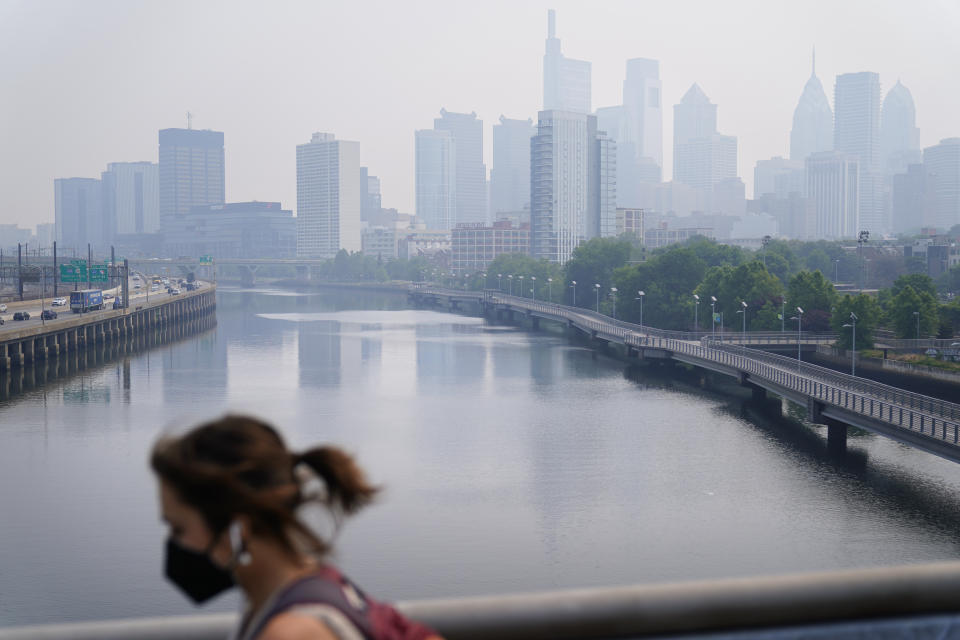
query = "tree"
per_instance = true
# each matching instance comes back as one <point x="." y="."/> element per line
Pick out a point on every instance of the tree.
<point x="818" y="260"/>
<point x="667" y="280"/>
<point x="949" y="282"/>
<point x="594" y="262"/>
<point x="909" y="309"/>
<point x="520" y="264"/>
<point x="731" y="286"/>
<point x="920" y="282"/>
<point x="813" y="293"/>
<point x="868" y="316"/>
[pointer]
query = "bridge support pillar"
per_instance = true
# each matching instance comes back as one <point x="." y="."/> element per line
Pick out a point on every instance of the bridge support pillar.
<point x="758" y="394"/>
<point x="836" y="436"/>
<point x="303" y="272"/>
<point x="535" y="323"/>
<point x="4" y="358"/>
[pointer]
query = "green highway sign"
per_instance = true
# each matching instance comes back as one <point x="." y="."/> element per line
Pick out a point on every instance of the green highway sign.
<point x="98" y="273"/>
<point x="206" y="260"/>
<point x="79" y="263"/>
<point x="73" y="272"/>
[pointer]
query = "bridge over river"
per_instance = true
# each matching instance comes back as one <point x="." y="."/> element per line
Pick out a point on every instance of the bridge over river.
<point x="831" y="398"/>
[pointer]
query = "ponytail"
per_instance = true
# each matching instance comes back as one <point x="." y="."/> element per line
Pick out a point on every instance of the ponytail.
<point x="347" y="488"/>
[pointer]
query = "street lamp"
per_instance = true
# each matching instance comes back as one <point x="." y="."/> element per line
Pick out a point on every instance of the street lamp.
<point x="836" y="270"/>
<point x="853" y="354"/>
<point x="597" y="286"/>
<point x="916" y="314"/>
<point x="550" y="289"/>
<point x="520" y="278"/>
<point x="613" y="294"/>
<point x="696" y="313"/>
<point x="713" y="317"/>
<point x="783" y="314"/>
<point x="534" y="287"/>
<point x="510" y="281"/>
<point x="799" y="319"/>
<point x="573" y="286"/>
<point x="639" y="297"/>
<point x="499" y="287"/>
<point x="862" y="238"/>
<point x="743" y="310"/>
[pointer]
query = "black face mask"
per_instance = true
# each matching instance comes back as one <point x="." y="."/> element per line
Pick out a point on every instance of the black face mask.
<point x="195" y="573"/>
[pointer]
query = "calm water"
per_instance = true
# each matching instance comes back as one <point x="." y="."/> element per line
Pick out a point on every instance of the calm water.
<point x="512" y="461"/>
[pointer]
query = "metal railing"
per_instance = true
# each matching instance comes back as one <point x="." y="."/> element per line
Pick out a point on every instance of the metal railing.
<point x="889" y="601"/>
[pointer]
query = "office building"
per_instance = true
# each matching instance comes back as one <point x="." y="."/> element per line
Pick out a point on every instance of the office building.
<point x="566" y="82"/>
<point x="630" y="221"/>
<point x="942" y="165"/>
<point x="191" y="171"/>
<point x="779" y="176"/>
<point x="899" y="135"/>
<point x="433" y="244"/>
<point x="436" y="179"/>
<point x="857" y="131"/>
<point x="701" y="157"/>
<point x="233" y="230"/>
<point x="466" y="130"/>
<point x="382" y="242"/>
<point x="572" y="183"/>
<point x="834" y="187"/>
<point x="912" y="198"/>
<point x="131" y="198"/>
<point x="475" y="246"/>
<point x="46" y="234"/>
<point x="510" y="175"/>
<point x="78" y="213"/>
<point x="328" y="196"/>
<point x="370" y="199"/>
<point x="657" y="237"/>
<point x="812" y="121"/>
<point x="643" y="112"/>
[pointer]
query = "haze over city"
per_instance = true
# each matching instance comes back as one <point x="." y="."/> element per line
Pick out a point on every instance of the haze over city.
<point x="90" y="83"/>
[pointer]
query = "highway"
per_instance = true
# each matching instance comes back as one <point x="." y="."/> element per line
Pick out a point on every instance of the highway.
<point x="33" y="307"/>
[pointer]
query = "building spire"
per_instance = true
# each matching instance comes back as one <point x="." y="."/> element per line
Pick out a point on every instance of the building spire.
<point x="813" y="66"/>
<point x="551" y="23"/>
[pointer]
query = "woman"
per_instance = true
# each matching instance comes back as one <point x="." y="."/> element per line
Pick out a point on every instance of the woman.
<point x="229" y="491"/>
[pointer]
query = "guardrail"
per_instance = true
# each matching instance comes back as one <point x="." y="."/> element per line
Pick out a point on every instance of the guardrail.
<point x="901" y="343"/>
<point x="906" y="601"/>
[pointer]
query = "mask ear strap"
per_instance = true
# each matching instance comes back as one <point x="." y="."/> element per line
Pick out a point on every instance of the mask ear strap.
<point x="238" y="548"/>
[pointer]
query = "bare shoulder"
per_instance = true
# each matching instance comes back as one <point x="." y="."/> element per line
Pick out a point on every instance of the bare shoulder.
<point x="292" y="626"/>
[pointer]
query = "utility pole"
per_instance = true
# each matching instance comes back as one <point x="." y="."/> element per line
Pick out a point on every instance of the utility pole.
<point x="54" y="268"/>
<point x="89" y="262"/>
<point x="20" y="271"/>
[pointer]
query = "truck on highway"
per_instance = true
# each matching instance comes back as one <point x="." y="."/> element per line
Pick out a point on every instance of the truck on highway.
<point x="86" y="300"/>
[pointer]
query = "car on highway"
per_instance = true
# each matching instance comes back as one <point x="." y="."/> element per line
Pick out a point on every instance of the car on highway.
<point x="59" y="302"/>
<point x="174" y="291"/>
<point x="136" y="286"/>
<point x="1" y="320"/>
<point x="118" y="304"/>
<point x="48" y="314"/>
<point x="21" y="315"/>
<point x="108" y="296"/>
<point x="3" y="308"/>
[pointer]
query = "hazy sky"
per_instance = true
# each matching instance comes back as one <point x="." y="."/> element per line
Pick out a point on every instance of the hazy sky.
<point x="84" y="83"/>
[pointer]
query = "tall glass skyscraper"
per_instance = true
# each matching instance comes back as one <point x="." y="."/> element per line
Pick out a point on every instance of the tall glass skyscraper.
<point x="510" y="175"/>
<point x="856" y="131"/>
<point x="436" y="179"/>
<point x="466" y="130"/>
<point x="191" y="171"/>
<point x="812" y="120"/>
<point x="566" y="82"/>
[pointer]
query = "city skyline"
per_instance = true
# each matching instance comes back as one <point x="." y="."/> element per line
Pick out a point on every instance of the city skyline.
<point x="261" y="136"/>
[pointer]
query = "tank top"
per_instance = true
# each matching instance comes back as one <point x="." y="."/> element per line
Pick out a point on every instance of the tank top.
<point x="329" y="596"/>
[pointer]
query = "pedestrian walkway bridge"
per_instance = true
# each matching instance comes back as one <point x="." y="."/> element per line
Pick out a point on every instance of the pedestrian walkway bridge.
<point x="831" y="398"/>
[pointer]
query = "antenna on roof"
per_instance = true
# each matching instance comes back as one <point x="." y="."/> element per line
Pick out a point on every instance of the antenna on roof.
<point x="813" y="66"/>
<point x="189" y="120"/>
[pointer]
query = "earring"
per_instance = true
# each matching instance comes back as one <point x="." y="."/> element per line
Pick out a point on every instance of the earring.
<point x="241" y="556"/>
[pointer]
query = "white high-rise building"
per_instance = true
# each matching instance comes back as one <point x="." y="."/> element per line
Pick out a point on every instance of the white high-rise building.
<point x="812" y="120"/>
<point x="566" y="82"/>
<point x="834" y="187"/>
<point x="471" y="177"/>
<point x="644" y="114"/>
<point x="857" y="130"/>
<point x="941" y="163"/>
<point x="436" y="179"/>
<point x="572" y="184"/>
<point x="131" y="197"/>
<point x="328" y="196"/>
<point x="899" y="135"/>
<point x="510" y="175"/>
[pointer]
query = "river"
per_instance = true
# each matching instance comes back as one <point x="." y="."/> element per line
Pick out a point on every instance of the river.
<point x="511" y="461"/>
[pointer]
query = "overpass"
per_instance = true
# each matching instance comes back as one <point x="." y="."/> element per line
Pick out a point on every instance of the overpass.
<point x="835" y="399"/>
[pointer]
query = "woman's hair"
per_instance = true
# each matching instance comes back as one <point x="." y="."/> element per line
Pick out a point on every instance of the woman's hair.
<point x="239" y="465"/>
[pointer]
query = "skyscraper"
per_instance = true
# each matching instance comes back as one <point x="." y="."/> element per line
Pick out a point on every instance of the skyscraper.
<point x="191" y="170"/>
<point x="466" y="130"/>
<point x="131" y="197"/>
<point x="644" y="115"/>
<point x="942" y="165"/>
<point x="436" y="179"/>
<point x="510" y="175"/>
<point x="566" y="82"/>
<point x="899" y="135"/>
<point x="701" y="157"/>
<point x="328" y="196"/>
<point x="694" y="117"/>
<point x="78" y="212"/>
<point x="572" y="183"/>
<point x="370" y="200"/>
<point x="857" y="131"/>
<point x="812" y="120"/>
<point x="833" y="185"/>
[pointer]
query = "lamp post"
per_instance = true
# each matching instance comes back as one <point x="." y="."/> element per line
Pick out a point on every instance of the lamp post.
<point x="520" y="278"/>
<point x="743" y="311"/>
<point x="613" y="294"/>
<point x="484" y="280"/>
<point x="640" y="295"/>
<point x="573" y="286"/>
<point x="916" y="314"/>
<point x="836" y="270"/>
<point x="783" y="314"/>
<point x="696" y="313"/>
<point x="534" y="287"/>
<point x="799" y="319"/>
<point x="550" y="289"/>
<point x="597" y="287"/>
<point x="499" y="287"/>
<point x="862" y="238"/>
<point x="510" y="282"/>
<point x="713" y="317"/>
<point x="765" y="241"/>
<point x="853" y="353"/>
